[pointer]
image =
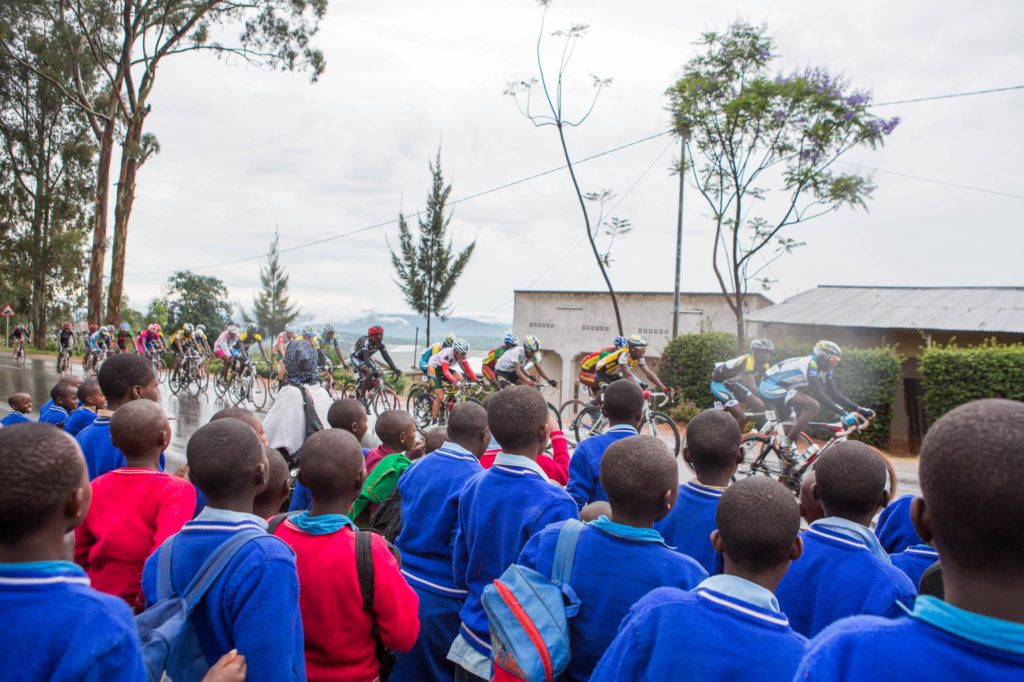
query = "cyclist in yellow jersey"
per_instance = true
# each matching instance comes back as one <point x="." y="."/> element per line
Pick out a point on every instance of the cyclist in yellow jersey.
<point x="734" y="382"/>
<point x="589" y="364"/>
<point x="621" y="363"/>
<point x="181" y="341"/>
<point x="246" y="339"/>
<point x="324" y="342"/>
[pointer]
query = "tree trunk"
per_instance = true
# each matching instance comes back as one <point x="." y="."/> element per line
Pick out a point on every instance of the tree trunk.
<point x="740" y="334"/>
<point x="130" y="160"/>
<point x="37" y="311"/>
<point x="99" y="222"/>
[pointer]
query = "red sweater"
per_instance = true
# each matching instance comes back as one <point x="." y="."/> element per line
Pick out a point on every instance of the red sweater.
<point x="338" y="633"/>
<point x="373" y="457"/>
<point x="556" y="466"/>
<point x="132" y="512"/>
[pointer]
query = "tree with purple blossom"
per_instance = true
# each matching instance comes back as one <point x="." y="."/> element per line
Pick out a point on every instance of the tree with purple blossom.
<point x="748" y="132"/>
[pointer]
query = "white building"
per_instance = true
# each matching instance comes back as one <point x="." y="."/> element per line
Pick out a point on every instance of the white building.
<point x="572" y="324"/>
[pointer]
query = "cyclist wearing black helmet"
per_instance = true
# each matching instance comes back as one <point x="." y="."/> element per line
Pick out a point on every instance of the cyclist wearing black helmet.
<point x="245" y="340"/>
<point x="621" y="364"/>
<point x="734" y="382"/>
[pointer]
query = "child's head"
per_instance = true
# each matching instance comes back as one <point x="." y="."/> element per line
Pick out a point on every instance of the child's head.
<point x="435" y="437"/>
<point x="350" y="415"/>
<point x="333" y="467"/>
<point x="72" y="379"/>
<point x="279" y="485"/>
<point x="810" y="508"/>
<point x="518" y="419"/>
<point x="467" y="427"/>
<point x="641" y="479"/>
<point x="713" y="445"/>
<point x="89" y="394"/>
<point x="971" y="508"/>
<point x="396" y="430"/>
<point x="624" y="402"/>
<point x="850" y="481"/>
<point x="45" y="486"/>
<point x="141" y="431"/>
<point x="127" y="376"/>
<point x="594" y="510"/>
<point x="20" y="402"/>
<point x="227" y="463"/>
<point x="64" y="395"/>
<point x="758" y="522"/>
<point x="243" y="415"/>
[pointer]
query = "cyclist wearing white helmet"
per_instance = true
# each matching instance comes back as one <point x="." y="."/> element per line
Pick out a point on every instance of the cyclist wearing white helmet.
<point x="491" y="359"/>
<point x="279" y="345"/>
<point x="734" y="382"/>
<point x="589" y="364"/>
<point x="511" y="367"/>
<point x="621" y="363"/>
<point x="779" y="389"/>
<point x="182" y="341"/>
<point x="441" y="369"/>
<point x="324" y="342"/>
<point x="446" y="342"/>
<point x="202" y="342"/>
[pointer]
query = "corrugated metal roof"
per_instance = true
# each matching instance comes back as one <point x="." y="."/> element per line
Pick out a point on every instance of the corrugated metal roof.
<point x="983" y="309"/>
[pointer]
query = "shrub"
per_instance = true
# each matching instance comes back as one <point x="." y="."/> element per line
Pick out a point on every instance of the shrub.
<point x="684" y="412"/>
<point x="687" y="362"/>
<point x="952" y="376"/>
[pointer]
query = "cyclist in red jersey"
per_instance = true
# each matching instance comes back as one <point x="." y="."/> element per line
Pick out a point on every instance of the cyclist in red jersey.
<point x="511" y="341"/>
<point x="439" y="370"/>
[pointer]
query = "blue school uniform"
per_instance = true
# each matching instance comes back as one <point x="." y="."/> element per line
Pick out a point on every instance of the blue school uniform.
<point x="78" y="420"/>
<point x="430" y="504"/>
<point x="100" y="454"/>
<point x="301" y="500"/>
<point x="937" y="641"/>
<point x="688" y="526"/>
<point x="607" y="589"/>
<point x="914" y="560"/>
<point x="15" y="418"/>
<point x="725" y="629"/>
<point x="55" y="414"/>
<point x="253" y="606"/>
<point x="840" y="574"/>
<point x="499" y="510"/>
<point x="56" y="627"/>
<point x="894" y="529"/>
<point x="585" y="466"/>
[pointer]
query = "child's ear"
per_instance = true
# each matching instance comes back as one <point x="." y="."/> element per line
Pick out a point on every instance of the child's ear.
<point x="260" y="478"/>
<point x="921" y="517"/>
<point x="883" y="500"/>
<point x="814" y="492"/>
<point x="165" y="436"/>
<point x="77" y="506"/>
<point x="717" y="542"/>
<point x="797" y="549"/>
<point x="360" y="481"/>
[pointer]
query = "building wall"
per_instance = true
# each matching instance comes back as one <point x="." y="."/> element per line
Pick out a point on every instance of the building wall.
<point x="572" y="324"/>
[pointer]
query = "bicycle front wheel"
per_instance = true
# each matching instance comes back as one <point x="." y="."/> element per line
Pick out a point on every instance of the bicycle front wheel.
<point x="258" y="392"/>
<point x="664" y="428"/>
<point x="414" y="396"/>
<point x="421" y="409"/>
<point x="386" y="399"/>
<point x="553" y="412"/>
<point x="589" y="422"/>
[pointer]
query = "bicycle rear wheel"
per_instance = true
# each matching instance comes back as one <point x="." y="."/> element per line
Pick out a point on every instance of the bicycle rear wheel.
<point x="589" y="422"/>
<point x="761" y="458"/>
<point x="664" y="428"/>
<point x="421" y="409"/>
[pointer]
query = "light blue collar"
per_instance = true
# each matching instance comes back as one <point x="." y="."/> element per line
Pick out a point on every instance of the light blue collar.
<point x="506" y="459"/>
<point x="42" y="568"/>
<point x="622" y="427"/>
<point x="853" y="531"/>
<point x="228" y="516"/>
<point x="985" y="630"/>
<point x="628" y="532"/>
<point x="741" y="589"/>
<point x="324" y="524"/>
<point x="494" y="445"/>
<point x="455" y="448"/>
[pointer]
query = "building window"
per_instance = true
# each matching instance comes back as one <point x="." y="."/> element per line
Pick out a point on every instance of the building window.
<point x="594" y="327"/>
<point x="650" y="330"/>
<point x="543" y="325"/>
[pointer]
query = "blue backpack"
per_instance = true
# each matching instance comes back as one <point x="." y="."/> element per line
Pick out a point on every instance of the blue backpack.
<point x="528" y="614"/>
<point x="168" y="639"/>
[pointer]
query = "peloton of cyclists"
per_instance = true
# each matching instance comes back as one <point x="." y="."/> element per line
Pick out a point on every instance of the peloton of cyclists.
<point x="510" y="342"/>
<point x="511" y="367"/>
<point x="442" y="369"/>
<point x="430" y="352"/>
<point x="362" y="358"/>
<point x="734" y="382"/>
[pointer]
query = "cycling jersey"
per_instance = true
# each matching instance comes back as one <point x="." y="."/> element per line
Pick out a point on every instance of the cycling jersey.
<point x="19" y="332"/>
<point x="122" y="339"/>
<point x="282" y="340"/>
<point x="245" y="339"/>
<point x="364" y="350"/>
<point x="147" y="340"/>
<point x="64" y="338"/>
<point x="316" y="344"/>
<point x="427" y="354"/>
<point x="440" y="362"/>
<point x="731" y="370"/>
<point x="781" y="382"/>
<point x="223" y="345"/>
<point x="613" y="363"/>
<point x="187" y="340"/>
<point x="508" y="360"/>
<point x="324" y="341"/>
<point x="492" y="357"/>
<point x="590" y="362"/>
<point x="98" y="341"/>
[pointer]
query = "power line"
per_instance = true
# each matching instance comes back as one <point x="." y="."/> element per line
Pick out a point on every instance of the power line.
<point x="949" y="96"/>
<point x="936" y="182"/>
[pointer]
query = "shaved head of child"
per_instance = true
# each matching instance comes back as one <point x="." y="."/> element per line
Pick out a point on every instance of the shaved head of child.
<point x="435" y="437"/>
<point x="348" y="414"/>
<point x="279" y="485"/>
<point x="64" y="395"/>
<point x="90" y="394"/>
<point x="20" y="402"/>
<point x="334" y="470"/>
<point x="713" y="447"/>
<point x="243" y="415"/>
<point x="141" y="431"/>
<point x="623" y="402"/>
<point x="467" y="427"/>
<point x="518" y="419"/>
<point x="396" y="430"/>
<point x="45" y="489"/>
<point x="850" y="481"/>
<point x="227" y="463"/>
<point x="641" y="479"/>
<point x="128" y="376"/>
<point x="72" y="379"/>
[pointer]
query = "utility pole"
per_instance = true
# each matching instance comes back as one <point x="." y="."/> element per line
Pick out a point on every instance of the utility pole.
<point x="679" y="241"/>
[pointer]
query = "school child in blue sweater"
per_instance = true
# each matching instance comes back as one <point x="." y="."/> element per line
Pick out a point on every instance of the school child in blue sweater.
<point x="347" y="414"/>
<point x="894" y="529"/>
<point x="619" y="558"/>
<point x="971" y="509"/>
<point x="624" y="408"/>
<point x="63" y="400"/>
<point x="21" y="405"/>
<point x="729" y="627"/>
<point x="713" y="450"/>
<point x="122" y="378"/>
<point x="254" y="605"/>
<point x="844" y="571"/>
<point x="499" y="510"/>
<point x="90" y="400"/>
<point x="430" y="503"/>
<point x="914" y="560"/>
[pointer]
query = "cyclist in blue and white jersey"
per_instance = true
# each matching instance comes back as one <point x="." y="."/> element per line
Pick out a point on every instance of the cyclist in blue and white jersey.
<point x="734" y="382"/>
<point x="780" y="384"/>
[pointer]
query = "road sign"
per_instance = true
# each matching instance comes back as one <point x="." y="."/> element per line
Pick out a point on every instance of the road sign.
<point x="8" y="311"/>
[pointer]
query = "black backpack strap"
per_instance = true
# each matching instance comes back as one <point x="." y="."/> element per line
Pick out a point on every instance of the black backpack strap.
<point x="313" y="423"/>
<point x="364" y="567"/>
<point x="278" y="520"/>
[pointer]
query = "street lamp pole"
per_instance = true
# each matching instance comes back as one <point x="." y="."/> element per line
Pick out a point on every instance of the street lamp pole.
<point x="679" y="241"/>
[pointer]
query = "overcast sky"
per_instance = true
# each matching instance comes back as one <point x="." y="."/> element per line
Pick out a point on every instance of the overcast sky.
<point x="244" y="150"/>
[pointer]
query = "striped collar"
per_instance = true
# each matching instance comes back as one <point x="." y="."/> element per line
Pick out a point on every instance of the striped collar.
<point x="734" y="603"/>
<point x="506" y="461"/>
<point x="923" y="550"/>
<point x="42" y="573"/>
<point x="622" y="427"/>
<point x="220" y="519"/>
<point x="850" y="533"/>
<point x="741" y="589"/>
<point x="455" y="451"/>
<point x="704" y="489"/>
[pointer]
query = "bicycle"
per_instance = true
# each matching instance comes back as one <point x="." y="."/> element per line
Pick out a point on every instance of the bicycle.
<point x="64" y="362"/>
<point x="19" y="353"/>
<point x="96" y="358"/>
<point x="591" y="422"/>
<point x="189" y="376"/>
<point x="380" y="397"/>
<point x="761" y="457"/>
<point x="248" y="385"/>
<point x="159" y="366"/>
<point x="421" y="402"/>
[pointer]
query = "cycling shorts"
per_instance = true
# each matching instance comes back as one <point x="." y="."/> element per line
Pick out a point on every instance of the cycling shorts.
<point x="724" y="392"/>
<point x="510" y="377"/>
<point x="437" y="378"/>
<point x="489" y="372"/>
<point x="772" y="391"/>
<point x="602" y="379"/>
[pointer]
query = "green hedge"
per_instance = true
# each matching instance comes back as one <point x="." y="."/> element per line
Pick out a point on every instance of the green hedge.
<point x="952" y="376"/>
<point x="687" y="361"/>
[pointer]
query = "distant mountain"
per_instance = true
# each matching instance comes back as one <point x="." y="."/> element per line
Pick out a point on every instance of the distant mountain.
<point x="402" y="327"/>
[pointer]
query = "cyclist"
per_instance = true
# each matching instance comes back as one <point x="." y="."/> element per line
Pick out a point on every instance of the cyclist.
<point x="779" y="389"/>
<point x="734" y="382"/>
<point x="246" y="339"/>
<point x="87" y="346"/>
<point x="324" y="342"/>
<point x="280" y="343"/>
<point x="512" y="365"/>
<point x="202" y="341"/>
<point x="181" y="341"/>
<point x="66" y="338"/>
<point x="150" y="339"/>
<point x="510" y="342"/>
<point x="99" y="343"/>
<point x="19" y="337"/>
<point x="620" y="364"/>
<point x="589" y="363"/>
<point x="446" y="342"/>
<point x="224" y="348"/>
<point x="362" y="358"/>
<point x="439" y="369"/>
<point x="123" y="339"/>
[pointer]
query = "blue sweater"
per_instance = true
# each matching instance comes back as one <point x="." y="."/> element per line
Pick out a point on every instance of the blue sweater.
<point x="15" y="418"/>
<point x="430" y="511"/>
<point x="607" y="589"/>
<point x="688" y="526"/>
<point x="705" y="635"/>
<point x="100" y="454"/>
<point x="54" y="414"/>
<point x="914" y="560"/>
<point x="301" y="500"/>
<point x="585" y="466"/>
<point x="836" y="577"/>
<point x="499" y="510"/>
<point x="56" y="627"/>
<point x="78" y="420"/>
<point x="894" y="529"/>
<point x="252" y="607"/>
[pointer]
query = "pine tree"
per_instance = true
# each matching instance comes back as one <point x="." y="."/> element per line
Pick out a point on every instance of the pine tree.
<point x="427" y="273"/>
<point x="271" y="307"/>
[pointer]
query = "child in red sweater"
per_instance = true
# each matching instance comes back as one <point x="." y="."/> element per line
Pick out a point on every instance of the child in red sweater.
<point x="134" y="508"/>
<point x="555" y="465"/>
<point x="339" y="638"/>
